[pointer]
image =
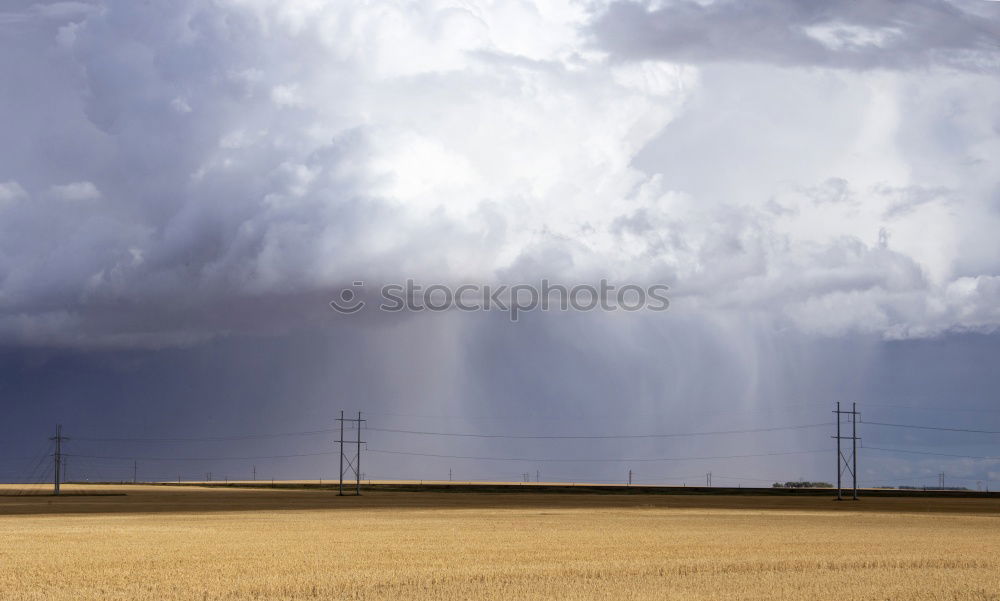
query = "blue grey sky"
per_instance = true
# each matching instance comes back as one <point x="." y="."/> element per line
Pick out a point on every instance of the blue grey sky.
<point x="184" y="187"/>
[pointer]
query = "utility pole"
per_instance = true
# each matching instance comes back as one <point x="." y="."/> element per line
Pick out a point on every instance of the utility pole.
<point x="854" y="446"/>
<point x="839" y="473"/>
<point x="357" y="463"/>
<point x="255" y="472"/>
<point x="353" y="463"/>
<point x="449" y="474"/>
<point x="842" y="461"/>
<point x="538" y="476"/>
<point x="708" y="479"/>
<point x="630" y="477"/>
<point x="135" y="471"/>
<point x="58" y="458"/>
<point x="341" y="491"/>
<point x="941" y="480"/>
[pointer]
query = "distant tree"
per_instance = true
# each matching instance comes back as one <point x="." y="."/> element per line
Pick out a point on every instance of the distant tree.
<point x="802" y="484"/>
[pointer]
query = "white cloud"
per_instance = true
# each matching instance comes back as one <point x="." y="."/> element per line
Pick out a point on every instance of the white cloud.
<point x="75" y="191"/>
<point x="10" y="192"/>
<point x="840" y="36"/>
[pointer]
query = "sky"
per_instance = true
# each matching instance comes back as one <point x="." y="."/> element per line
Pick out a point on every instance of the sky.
<point x="185" y="186"/>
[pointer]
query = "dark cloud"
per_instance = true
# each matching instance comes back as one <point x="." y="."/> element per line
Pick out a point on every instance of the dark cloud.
<point x="184" y="186"/>
<point x="886" y="34"/>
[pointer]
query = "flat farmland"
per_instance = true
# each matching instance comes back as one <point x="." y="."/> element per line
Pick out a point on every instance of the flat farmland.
<point x="203" y="543"/>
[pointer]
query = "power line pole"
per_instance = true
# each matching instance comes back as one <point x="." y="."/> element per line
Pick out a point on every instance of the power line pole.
<point x="630" y="477"/>
<point x="357" y="463"/>
<point x="843" y="463"/>
<point x="255" y="472"/>
<point x="135" y="471"/>
<point x="353" y="463"/>
<point x="341" y="491"/>
<point x="58" y="458"/>
<point x="854" y="446"/>
<point x="839" y="473"/>
<point x="708" y="479"/>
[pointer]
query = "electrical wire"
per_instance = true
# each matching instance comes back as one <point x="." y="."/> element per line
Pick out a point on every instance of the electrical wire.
<point x="939" y="428"/>
<point x="930" y="453"/>
<point x="601" y="460"/>
<point x="599" y="436"/>
<point x="211" y="438"/>
<point x="122" y="458"/>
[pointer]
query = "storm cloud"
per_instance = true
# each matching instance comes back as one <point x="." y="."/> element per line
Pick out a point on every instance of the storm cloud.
<point x="887" y="34"/>
<point x="816" y="183"/>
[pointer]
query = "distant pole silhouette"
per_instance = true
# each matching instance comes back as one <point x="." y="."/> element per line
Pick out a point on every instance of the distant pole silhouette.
<point x="357" y="460"/>
<point x="854" y="447"/>
<point x="341" y="491"/>
<point x="839" y="498"/>
<point x="58" y="459"/>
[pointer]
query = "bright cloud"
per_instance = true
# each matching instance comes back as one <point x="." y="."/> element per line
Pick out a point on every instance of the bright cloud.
<point x="225" y="152"/>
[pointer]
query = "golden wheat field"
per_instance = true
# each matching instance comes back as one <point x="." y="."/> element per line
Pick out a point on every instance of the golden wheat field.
<point x="467" y="546"/>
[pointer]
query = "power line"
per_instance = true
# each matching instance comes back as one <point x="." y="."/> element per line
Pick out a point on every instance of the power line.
<point x="644" y="459"/>
<point x="599" y="436"/>
<point x="201" y="458"/>
<point x="930" y="453"/>
<point x="210" y="438"/>
<point x="519" y="417"/>
<point x="948" y="409"/>
<point x="940" y="428"/>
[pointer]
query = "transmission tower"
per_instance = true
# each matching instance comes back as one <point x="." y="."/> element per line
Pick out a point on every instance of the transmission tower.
<point x="845" y="463"/>
<point x="353" y="462"/>
<point x="58" y="458"/>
